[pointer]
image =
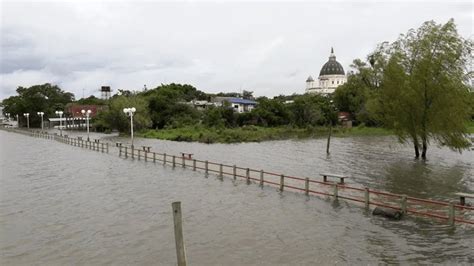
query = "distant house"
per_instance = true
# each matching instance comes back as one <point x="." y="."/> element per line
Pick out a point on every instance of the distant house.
<point x="200" y="105"/>
<point x="73" y="117"/>
<point x="238" y="104"/>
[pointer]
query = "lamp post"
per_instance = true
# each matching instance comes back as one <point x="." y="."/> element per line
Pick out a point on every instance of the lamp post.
<point x="129" y="112"/>
<point x="41" y="114"/>
<point x="87" y="113"/>
<point x="60" y="113"/>
<point x="27" y="115"/>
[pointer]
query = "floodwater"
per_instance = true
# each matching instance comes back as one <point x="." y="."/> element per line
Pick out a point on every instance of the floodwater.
<point x="62" y="205"/>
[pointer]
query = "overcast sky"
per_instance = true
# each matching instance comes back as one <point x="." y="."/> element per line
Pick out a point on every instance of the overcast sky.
<point x="266" y="47"/>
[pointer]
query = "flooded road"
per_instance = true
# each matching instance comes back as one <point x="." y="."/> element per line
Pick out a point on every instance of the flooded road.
<point x="65" y="205"/>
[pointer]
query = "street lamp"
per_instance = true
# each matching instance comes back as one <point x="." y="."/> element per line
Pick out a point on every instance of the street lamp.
<point x="60" y="113"/>
<point x="41" y="114"/>
<point x="87" y="113"/>
<point x="27" y="115"/>
<point x="129" y="112"/>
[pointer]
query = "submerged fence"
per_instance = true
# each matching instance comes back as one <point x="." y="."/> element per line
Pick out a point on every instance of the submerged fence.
<point x="363" y="196"/>
<point x="95" y="145"/>
<point x="366" y="197"/>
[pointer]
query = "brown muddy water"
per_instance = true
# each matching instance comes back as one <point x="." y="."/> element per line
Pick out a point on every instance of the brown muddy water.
<point x="62" y="205"/>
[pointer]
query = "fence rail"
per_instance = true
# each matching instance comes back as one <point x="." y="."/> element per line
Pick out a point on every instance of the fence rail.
<point x="439" y="210"/>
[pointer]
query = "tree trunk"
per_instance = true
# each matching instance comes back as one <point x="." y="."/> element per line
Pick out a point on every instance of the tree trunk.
<point x="416" y="144"/>
<point x="425" y="147"/>
<point x="417" y="150"/>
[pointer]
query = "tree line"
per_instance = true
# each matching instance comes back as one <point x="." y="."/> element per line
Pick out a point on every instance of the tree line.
<point x="416" y="86"/>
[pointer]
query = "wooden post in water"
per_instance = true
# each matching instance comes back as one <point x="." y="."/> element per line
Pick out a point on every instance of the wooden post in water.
<point x="247" y="175"/>
<point x="194" y="164"/>
<point x="403" y="204"/>
<point x="234" y="171"/>
<point x="261" y="178"/>
<point x="306" y="186"/>
<point x="178" y="233"/>
<point x="282" y="182"/>
<point x="451" y="214"/>
<point x="329" y="138"/>
<point x="367" y="198"/>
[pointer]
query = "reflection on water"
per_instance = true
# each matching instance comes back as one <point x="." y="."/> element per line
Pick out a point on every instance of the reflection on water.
<point x="65" y="205"/>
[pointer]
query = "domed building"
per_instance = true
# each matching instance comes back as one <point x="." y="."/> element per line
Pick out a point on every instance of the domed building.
<point x="330" y="77"/>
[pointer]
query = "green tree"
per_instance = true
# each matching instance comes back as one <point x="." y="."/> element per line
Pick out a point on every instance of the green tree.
<point x="115" y="118"/>
<point x="312" y="109"/>
<point x="46" y="98"/>
<point x="423" y="96"/>
<point x="271" y="112"/>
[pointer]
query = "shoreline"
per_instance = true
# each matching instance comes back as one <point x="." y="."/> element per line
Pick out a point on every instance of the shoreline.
<point x="255" y="134"/>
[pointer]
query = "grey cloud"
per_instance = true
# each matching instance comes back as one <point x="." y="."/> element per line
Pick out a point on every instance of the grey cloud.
<point x="267" y="47"/>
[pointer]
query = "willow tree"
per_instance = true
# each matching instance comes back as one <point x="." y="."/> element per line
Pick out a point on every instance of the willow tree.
<point x="424" y="96"/>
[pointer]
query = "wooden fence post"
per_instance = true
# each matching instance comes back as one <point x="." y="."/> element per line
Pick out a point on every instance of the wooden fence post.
<point x="194" y="164"/>
<point x="183" y="162"/>
<point x="247" y="175"/>
<point x="234" y="171"/>
<point x="206" y="163"/>
<point x="126" y="152"/>
<point x="139" y="152"/>
<point x="451" y="214"/>
<point x="178" y="233"/>
<point x="107" y="147"/>
<point x="146" y="156"/>
<point x="164" y="158"/>
<point x="132" y="149"/>
<point x="403" y="204"/>
<point x="154" y="157"/>
<point x="261" y="178"/>
<point x="306" y="186"/>
<point x="367" y="198"/>
<point x="335" y="191"/>
<point x="282" y="182"/>
<point x="221" y="175"/>
<point x="174" y="161"/>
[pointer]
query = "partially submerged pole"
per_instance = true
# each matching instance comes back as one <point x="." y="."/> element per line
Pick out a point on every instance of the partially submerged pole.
<point x="329" y="138"/>
<point x="178" y="233"/>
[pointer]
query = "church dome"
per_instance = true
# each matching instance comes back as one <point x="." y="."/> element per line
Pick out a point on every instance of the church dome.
<point x="332" y="67"/>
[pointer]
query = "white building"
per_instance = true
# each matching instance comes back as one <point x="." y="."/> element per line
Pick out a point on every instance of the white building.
<point x="330" y="77"/>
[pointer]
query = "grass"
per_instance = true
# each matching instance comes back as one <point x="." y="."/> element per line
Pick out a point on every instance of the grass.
<point x="470" y="127"/>
<point x="256" y="134"/>
<point x="253" y="133"/>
